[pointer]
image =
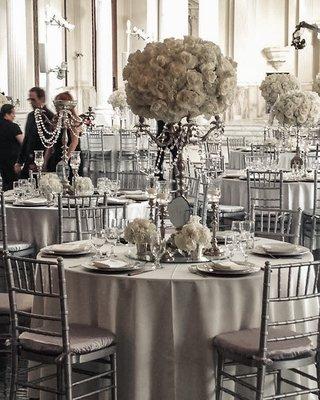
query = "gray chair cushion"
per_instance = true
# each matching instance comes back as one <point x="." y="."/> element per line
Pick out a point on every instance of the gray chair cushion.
<point x="24" y="303"/>
<point x="230" y="209"/>
<point x="245" y="343"/>
<point x="17" y="246"/>
<point x="83" y="339"/>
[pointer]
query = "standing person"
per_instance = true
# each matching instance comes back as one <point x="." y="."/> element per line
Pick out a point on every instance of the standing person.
<point x="11" y="139"/>
<point x="73" y="139"/>
<point x="32" y="141"/>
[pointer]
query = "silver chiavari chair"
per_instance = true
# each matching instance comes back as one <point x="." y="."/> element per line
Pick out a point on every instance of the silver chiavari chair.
<point x="234" y="142"/>
<point x="132" y="180"/>
<point x="93" y="219"/>
<point x="277" y="224"/>
<point x="127" y="152"/>
<point x="68" y="228"/>
<point x="97" y="153"/>
<point x="311" y="217"/>
<point x="279" y="344"/>
<point x="56" y="341"/>
<point x="264" y="188"/>
<point x="18" y="249"/>
<point x="192" y="186"/>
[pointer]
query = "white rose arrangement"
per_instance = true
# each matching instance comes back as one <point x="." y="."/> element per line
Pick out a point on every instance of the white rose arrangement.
<point x="139" y="231"/>
<point x="192" y="235"/>
<point x="317" y="84"/>
<point x="179" y="78"/>
<point x="275" y="85"/>
<point x="298" y="108"/>
<point x="50" y="183"/>
<point x="3" y="100"/>
<point x="84" y="186"/>
<point x="118" y="100"/>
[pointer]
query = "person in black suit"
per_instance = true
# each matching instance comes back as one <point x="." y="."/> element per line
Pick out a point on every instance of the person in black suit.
<point x="11" y="139"/>
<point x="32" y="141"/>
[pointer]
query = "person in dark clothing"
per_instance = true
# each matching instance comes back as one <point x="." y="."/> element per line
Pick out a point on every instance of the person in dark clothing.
<point x="32" y="141"/>
<point x="11" y="139"/>
<point x="73" y="144"/>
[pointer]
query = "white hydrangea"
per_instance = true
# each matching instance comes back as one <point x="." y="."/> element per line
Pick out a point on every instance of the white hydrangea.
<point x="50" y="183"/>
<point x="298" y="108"/>
<point x="275" y="85"/>
<point x="84" y="186"/>
<point x="177" y="78"/>
<point x="118" y="100"/>
<point x="192" y="235"/>
<point x="139" y="231"/>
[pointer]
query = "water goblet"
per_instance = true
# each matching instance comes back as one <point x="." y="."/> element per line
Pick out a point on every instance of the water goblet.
<point x="112" y="236"/>
<point x="17" y="191"/>
<point x="39" y="159"/>
<point x="158" y="248"/>
<point x="98" y="239"/>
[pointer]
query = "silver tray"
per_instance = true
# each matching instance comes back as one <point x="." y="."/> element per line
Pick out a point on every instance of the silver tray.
<point x="177" y="259"/>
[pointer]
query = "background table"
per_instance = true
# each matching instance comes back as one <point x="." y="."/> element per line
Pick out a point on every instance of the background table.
<point x="165" y="321"/>
<point x="39" y="225"/>
<point x="295" y="194"/>
<point x="237" y="159"/>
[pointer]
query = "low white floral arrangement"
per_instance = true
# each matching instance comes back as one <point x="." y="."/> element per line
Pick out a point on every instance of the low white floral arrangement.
<point x="179" y="78"/>
<point x="3" y="100"/>
<point x="316" y="85"/>
<point x="193" y="235"/>
<point x="271" y="142"/>
<point x="118" y="99"/>
<point x="50" y="183"/>
<point x="83" y="186"/>
<point x="298" y="108"/>
<point x="275" y="85"/>
<point x="140" y="231"/>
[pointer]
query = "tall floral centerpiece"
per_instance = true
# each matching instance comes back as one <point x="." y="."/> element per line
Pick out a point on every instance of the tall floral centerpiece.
<point x="118" y="101"/>
<point x="297" y="109"/>
<point x="177" y="79"/>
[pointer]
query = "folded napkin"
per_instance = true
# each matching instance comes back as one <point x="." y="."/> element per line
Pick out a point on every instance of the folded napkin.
<point x="117" y="200"/>
<point x="36" y="200"/>
<point x="279" y="247"/>
<point x="8" y="193"/>
<point x="109" y="264"/>
<point x="70" y="247"/>
<point x="228" y="265"/>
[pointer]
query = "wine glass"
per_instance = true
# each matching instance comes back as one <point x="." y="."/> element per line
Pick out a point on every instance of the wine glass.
<point x="98" y="239"/>
<point x="39" y="159"/>
<point x="75" y="161"/>
<point x="112" y="236"/>
<point x="158" y="248"/>
<point x="103" y="186"/>
<point x="17" y="191"/>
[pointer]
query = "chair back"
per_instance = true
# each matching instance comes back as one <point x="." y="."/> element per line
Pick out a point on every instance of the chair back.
<point x="132" y="180"/>
<point x="234" y="142"/>
<point x="277" y="224"/>
<point x="26" y="276"/>
<point x="95" y="138"/>
<point x="3" y="223"/>
<point x="93" y="219"/>
<point x="192" y="192"/>
<point x="69" y="229"/>
<point x="264" y="188"/>
<point x="284" y="286"/>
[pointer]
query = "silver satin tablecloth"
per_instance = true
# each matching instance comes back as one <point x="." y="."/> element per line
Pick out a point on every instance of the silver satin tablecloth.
<point x="165" y="321"/>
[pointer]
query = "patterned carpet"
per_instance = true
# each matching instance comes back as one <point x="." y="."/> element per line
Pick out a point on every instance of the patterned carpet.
<point x="5" y="380"/>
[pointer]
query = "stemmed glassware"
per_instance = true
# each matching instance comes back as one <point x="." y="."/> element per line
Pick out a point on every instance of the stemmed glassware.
<point x="98" y="239"/>
<point x="112" y="235"/>
<point x="158" y="248"/>
<point x="103" y="186"/>
<point x="75" y="161"/>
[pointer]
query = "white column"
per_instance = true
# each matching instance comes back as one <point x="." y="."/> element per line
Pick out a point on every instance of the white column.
<point x="104" y="59"/>
<point x="173" y="18"/>
<point x="17" y="51"/>
<point x="209" y="20"/>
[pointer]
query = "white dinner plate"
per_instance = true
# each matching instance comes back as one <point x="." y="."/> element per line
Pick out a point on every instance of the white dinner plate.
<point x="298" y="251"/>
<point x="244" y="269"/>
<point x="54" y="249"/>
<point x="128" y="267"/>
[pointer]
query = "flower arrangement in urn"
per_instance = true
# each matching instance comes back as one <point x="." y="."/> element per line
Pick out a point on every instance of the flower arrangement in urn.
<point x="193" y="238"/>
<point x="83" y="186"/>
<point x="118" y="100"/>
<point x="298" y="108"/>
<point x="140" y="232"/>
<point x="275" y="85"/>
<point x="179" y="78"/>
<point x="50" y="183"/>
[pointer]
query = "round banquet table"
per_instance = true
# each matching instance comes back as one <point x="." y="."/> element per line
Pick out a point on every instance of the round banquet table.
<point x="237" y="159"/>
<point x="39" y="225"/>
<point x="165" y="321"/>
<point x="295" y="194"/>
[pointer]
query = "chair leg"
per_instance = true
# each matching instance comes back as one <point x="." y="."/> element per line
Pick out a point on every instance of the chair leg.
<point x="219" y="377"/>
<point x="68" y="378"/>
<point x="260" y="382"/>
<point x="278" y="388"/>
<point x="14" y="373"/>
<point x="318" y="373"/>
<point x="114" y="376"/>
